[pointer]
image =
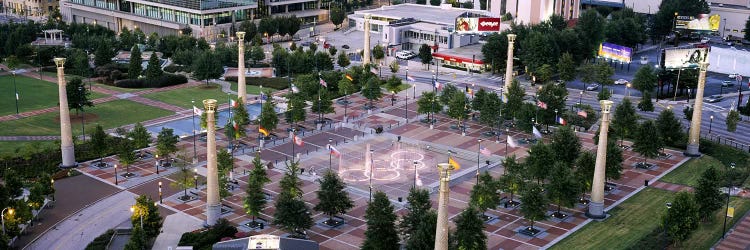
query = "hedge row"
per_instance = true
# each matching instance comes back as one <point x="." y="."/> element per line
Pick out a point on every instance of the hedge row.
<point x="164" y="80"/>
<point x="274" y="83"/>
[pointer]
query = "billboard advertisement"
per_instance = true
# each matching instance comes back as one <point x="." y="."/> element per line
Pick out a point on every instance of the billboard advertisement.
<point x="477" y="24"/>
<point x="615" y="52"/>
<point x="702" y="22"/>
<point x="684" y="58"/>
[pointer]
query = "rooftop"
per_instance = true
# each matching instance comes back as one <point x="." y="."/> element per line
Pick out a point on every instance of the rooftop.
<point x="428" y="13"/>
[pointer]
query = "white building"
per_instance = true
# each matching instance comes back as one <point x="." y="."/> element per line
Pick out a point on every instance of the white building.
<point x="734" y="14"/>
<point x="537" y="11"/>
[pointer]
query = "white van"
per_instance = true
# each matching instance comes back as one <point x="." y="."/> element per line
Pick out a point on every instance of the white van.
<point x="405" y="55"/>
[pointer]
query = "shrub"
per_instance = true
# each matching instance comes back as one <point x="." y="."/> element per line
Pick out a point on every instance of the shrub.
<point x="164" y="80"/>
<point x="206" y="238"/>
<point x="274" y="83"/>
<point x="100" y="243"/>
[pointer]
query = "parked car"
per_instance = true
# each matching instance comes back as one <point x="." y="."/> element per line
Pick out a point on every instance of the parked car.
<point x="405" y="55"/>
<point x="714" y="98"/>
<point x="345" y="46"/>
<point x="705" y="40"/>
<point x="621" y="82"/>
<point x="727" y="83"/>
<point x="733" y="75"/>
<point x="593" y="87"/>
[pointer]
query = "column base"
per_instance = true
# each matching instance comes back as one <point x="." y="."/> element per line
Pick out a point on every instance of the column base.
<point x="74" y="165"/>
<point x="212" y="214"/>
<point x="692" y="150"/>
<point x="596" y="210"/>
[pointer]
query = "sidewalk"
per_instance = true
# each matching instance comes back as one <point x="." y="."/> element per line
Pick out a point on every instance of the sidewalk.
<point x="173" y="228"/>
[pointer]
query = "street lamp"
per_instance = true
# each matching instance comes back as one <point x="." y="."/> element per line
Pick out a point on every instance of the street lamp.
<point x="479" y="150"/>
<point x="2" y="216"/>
<point x="116" y="182"/>
<point x="710" y="124"/>
<point x="666" y="221"/>
<point x="507" y="133"/>
<point x="330" y="155"/>
<point x="406" y="108"/>
<point x="195" y="151"/>
<point x="157" y="164"/>
<point x="132" y="210"/>
<point x="627" y="89"/>
<point x="160" y="200"/>
<point x="729" y="193"/>
<point x="15" y="90"/>
<point x="83" y="116"/>
<point x="415" y="174"/>
<point x="195" y="177"/>
<point x="393" y="97"/>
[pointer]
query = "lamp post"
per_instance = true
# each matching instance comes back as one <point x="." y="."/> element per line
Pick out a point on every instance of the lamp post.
<point x="157" y="164"/>
<point x="330" y="155"/>
<point x="195" y="150"/>
<point x="132" y="210"/>
<point x="116" y="182"/>
<point x="2" y="216"/>
<point x="479" y="150"/>
<point x="15" y="90"/>
<point x="507" y="131"/>
<point x="346" y="107"/>
<point x="729" y="193"/>
<point x="406" y="108"/>
<point x="415" y="174"/>
<point x="393" y="97"/>
<point x="195" y="178"/>
<point x="627" y="89"/>
<point x="370" y="179"/>
<point x="666" y="221"/>
<point x="160" y="197"/>
<point x="710" y="124"/>
<point x="580" y="98"/>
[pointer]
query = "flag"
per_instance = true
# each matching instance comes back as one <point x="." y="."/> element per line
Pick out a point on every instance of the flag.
<point x="323" y="83"/>
<point x="409" y="78"/>
<point x="374" y="70"/>
<point x="512" y="143"/>
<point x="561" y="121"/>
<point x="583" y="114"/>
<point x="485" y="151"/>
<point x="295" y="89"/>
<point x="234" y="124"/>
<point x="334" y="151"/>
<point x="263" y="131"/>
<point x="454" y="163"/>
<point x="197" y="111"/>
<point x="298" y="141"/>
<point x="349" y="77"/>
<point x="437" y="85"/>
<point x="470" y="91"/>
<point x="541" y="104"/>
<point x="16" y="95"/>
<point x="263" y="97"/>
<point x="233" y="103"/>
<point x="419" y="181"/>
<point x="536" y="132"/>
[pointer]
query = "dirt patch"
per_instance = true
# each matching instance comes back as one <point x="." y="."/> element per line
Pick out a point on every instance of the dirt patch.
<point x="86" y="117"/>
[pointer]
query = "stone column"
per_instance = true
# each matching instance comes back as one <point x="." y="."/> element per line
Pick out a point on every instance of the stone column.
<point x="366" y="58"/>
<point x="213" y="206"/>
<point x="441" y="232"/>
<point x="508" y="67"/>
<point x="596" y="206"/>
<point x="695" y="123"/>
<point x="66" y="135"/>
<point x="241" y="85"/>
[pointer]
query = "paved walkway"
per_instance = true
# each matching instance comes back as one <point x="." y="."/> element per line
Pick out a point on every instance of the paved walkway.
<point x="738" y="237"/>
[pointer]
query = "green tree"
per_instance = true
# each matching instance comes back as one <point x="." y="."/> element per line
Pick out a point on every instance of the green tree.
<point x="541" y="157"/>
<point x="428" y="104"/>
<point x="332" y="198"/>
<point x="446" y="95"/>
<point x="483" y="195"/>
<point x="470" y="230"/>
<point x="626" y="28"/>
<point x="296" y="109"/>
<point x="100" y="141"/>
<point x="566" y="145"/>
<point x="540" y="49"/>
<point x="153" y="70"/>
<point x="205" y="67"/>
<point x="512" y="180"/>
<point x="747" y="27"/>
<point x="647" y="141"/>
<point x="435" y="2"/>
<point x="554" y="95"/>
<point x="419" y="206"/>
<point x="103" y="54"/>
<point x="166" y="142"/>
<point x="140" y="136"/>
<point x="268" y="118"/>
<point x="646" y="104"/>
<point x="137" y="240"/>
<point x="566" y="67"/>
<point x="371" y="91"/>
<point x="78" y="63"/>
<point x="514" y="99"/>
<point x="458" y="109"/>
<point x="496" y="50"/>
<point x="625" y="120"/>
<point x="78" y="95"/>
<point x="255" y="201"/>
<point x="145" y="210"/>
<point x="36" y="196"/>
<point x="533" y="204"/>
<point x="343" y="60"/>
<point x="257" y="54"/>
<point x="600" y="73"/>
<point x="663" y="21"/>
<point x="584" y="172"/>
<point x="562" y="188"/>
<point x="126" y="154"/>
<point x="135" y="69"/>
<point x="392" y="84"/>
<point x="337" y="16"/>
<point x="323" y="104"/>
<point x="645" y="79"/>
<point x="292" y="214"/>
<point x="332" y="50"/>
<point x="381" y="224"/>
<point x="183" y="180"/>
<point x="732" y="119"/>
<point x="708" y="194"/>
<point x="423" y="236"/>
<point x="613" y="165"/>
<point x="394" y="66"/>
<point x="225" y="163"/>
<point x="239" y="114"/>
<point x="670" y="128"/>
<point x="425" y="52"/>
<point x="489" y="112"/>
<point x="683" y="217"/>
<point x="590" y="27"/>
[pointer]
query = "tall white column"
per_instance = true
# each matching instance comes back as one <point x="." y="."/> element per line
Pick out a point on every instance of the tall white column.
<point x="441" y="232"/>
<point x="366" y="58"/>
<point x="695" y="123"/>
<point x="509" y="67"/>
<point x="66" y="135"/>
<point x="241" y="87"/>
<point x="213" y="206"/>
<point x="596" y="206"/>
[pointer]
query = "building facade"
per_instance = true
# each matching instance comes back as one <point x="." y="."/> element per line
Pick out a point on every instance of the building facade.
<point x="537" y="11"/>
<point x="33" y="8"/>
<point x="734" y="14"/>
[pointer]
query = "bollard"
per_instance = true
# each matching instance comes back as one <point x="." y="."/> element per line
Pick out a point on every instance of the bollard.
<point x="645" y="183"/>
<point x="400" y="199"/>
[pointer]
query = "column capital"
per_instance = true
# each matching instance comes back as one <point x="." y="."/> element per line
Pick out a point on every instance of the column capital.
<point x="606" y="106"/>
<point x="511" y="38"/>
<point x="210" y="105"/>
<point x="703" y="65"/>
<point x="60" y="61"/>
<point x="240" y="35"/>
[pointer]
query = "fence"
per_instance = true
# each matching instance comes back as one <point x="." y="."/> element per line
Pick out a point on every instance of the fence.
<point x="726" y="141"/>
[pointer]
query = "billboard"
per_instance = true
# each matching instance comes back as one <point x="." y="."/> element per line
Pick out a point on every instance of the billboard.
<point x="615" y="52"/>
<point x="684" y="58"/>
<point x="477" y="24"/>
<point x="702" y="22"/>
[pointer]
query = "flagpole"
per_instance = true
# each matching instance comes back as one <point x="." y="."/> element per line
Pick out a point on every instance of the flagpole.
<point x="294" y="141"/>
<point x="371" y="163"/>
<point x="195" y="154"/>
<point x="330" y="154"/>
<point x="479" y="149"/>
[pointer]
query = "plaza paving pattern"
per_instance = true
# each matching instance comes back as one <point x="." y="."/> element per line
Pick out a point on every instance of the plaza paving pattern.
<point x="351" y="141"/>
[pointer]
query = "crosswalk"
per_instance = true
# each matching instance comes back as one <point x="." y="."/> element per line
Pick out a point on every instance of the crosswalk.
<point x="496" y="78"/>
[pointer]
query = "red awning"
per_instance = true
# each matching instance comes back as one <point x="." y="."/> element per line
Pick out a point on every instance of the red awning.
<point x="457" y="59"/>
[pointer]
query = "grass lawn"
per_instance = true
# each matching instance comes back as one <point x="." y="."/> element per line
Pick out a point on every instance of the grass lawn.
<point x="182" y="97"/>
<point x="109" y="115"/>
<point x="118" y="89"/>
<point x="709" y="233"/>
<point x="404" y="86"/>
<point x="252" y="89"/>
<point x="33" y="94"/>
<point x="691" y="171"/>
<point x="630" y="221"/>
<point x="9" y="147"/>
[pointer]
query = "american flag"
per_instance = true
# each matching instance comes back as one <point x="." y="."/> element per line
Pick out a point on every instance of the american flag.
<point x="298" y="141"/>
<point x="485" y="151"/>
<point x="541" y="104"/>
<point x="409" y="78"/>
<point x="322" y="82"/>
<point x="295" y="89"/>
<point x="197" y="111"/>
<point x="583" y="114"/>
<point x="561" y="121"/>
<point x="334" y="151"/>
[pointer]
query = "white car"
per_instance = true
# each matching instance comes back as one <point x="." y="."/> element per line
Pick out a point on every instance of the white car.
<point x="621" y="82"/>
<point x="405" y="55"/>
<point x="592" y="87"/>
<point x="733" y="75"/>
